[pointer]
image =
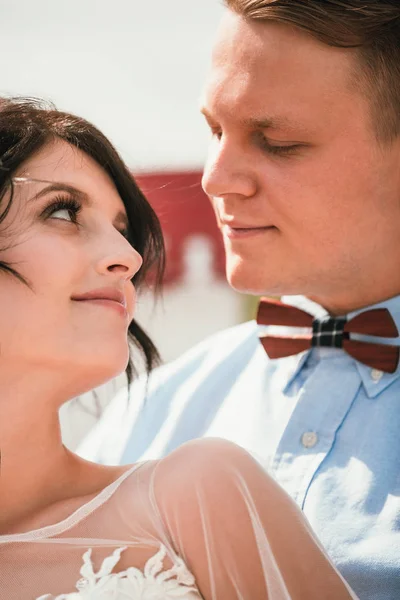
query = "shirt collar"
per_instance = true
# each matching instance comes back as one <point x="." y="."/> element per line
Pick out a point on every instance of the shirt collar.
<point x="373" y="385"/>
<point x="298" y="361"/>
<point x="373" y="381"/>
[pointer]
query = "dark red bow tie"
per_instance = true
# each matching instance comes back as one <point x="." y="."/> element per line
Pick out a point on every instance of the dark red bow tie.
<point x="331" y="332"/>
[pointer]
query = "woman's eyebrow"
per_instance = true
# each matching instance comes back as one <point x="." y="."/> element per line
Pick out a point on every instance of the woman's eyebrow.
<point x="120" y="219"/>
<point x="60" y="187"/>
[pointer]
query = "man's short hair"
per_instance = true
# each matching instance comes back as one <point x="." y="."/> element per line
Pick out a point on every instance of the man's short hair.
<point x="371" y="27"/>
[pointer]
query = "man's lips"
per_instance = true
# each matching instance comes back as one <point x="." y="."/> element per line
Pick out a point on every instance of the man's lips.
<point x="243" y="231"/>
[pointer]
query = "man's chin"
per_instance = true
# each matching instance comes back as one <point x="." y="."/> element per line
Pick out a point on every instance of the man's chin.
<point x="247" y="283"/>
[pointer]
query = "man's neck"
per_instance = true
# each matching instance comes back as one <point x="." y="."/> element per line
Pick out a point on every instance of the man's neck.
<point x="348" y="303"/>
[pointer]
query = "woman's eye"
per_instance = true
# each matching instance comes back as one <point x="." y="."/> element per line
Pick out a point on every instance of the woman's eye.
<point x="63" y="209"/>
<point x="65" y="214"/>
<point x="124" y="233"/>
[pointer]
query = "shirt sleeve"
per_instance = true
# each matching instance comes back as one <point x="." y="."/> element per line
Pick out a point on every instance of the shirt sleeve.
<point x="238" y="532"/>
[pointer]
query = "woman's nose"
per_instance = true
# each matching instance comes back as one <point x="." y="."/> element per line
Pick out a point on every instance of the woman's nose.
<point x="120" y="258"/>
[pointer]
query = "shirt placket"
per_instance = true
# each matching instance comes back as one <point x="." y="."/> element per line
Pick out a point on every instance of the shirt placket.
<point x="323" y="402"/>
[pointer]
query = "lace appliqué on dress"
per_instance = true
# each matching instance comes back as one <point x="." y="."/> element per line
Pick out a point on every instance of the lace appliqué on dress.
<point x="153" y="583"/>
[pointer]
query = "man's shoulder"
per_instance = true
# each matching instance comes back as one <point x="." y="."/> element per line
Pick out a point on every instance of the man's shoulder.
<point x="220" y="345"/>
<point x="218" y="350"/>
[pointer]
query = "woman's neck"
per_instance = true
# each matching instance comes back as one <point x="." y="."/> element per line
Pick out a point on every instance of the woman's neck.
<point x="32" y="453"/>
<point x="38" y="473"/>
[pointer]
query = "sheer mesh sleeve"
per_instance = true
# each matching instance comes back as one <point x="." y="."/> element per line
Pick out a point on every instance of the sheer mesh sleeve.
<point x="239" y="534"/>
<point x="205" y="522"/>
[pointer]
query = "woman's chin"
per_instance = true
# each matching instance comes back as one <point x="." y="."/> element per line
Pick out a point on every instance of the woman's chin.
<point x="102" y="370"/>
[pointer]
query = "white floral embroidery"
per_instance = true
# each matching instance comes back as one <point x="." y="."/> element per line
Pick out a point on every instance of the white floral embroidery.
<point x="153" y="583"/>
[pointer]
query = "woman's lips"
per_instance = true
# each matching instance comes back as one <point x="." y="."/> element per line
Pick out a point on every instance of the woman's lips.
<point x="113" y="304"/>
<point x="107" y="297"/>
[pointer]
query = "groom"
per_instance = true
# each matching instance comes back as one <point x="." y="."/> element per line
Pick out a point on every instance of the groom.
<point x="303" y="172"/>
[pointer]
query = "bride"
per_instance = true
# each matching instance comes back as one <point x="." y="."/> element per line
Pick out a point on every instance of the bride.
<point x="77" y="237"/>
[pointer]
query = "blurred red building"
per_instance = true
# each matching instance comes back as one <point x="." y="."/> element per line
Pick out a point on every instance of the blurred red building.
<point x="184" y="210"/>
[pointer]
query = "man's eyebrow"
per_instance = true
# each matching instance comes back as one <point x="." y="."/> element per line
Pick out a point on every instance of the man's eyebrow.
<point x="277" y="122"/>
<point x="206" y="113"/>
<point x="268" y="123"/>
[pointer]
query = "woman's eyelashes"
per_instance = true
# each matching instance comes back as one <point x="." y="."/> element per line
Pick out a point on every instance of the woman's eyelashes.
<point x="125" y="233"/>
<point x="63" y="208"/>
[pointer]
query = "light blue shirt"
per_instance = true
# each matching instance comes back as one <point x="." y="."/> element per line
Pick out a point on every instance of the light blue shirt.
<point x="325" y="426"/>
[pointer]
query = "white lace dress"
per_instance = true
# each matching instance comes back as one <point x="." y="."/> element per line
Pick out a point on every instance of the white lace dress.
<point x="205" y="522"/>
<point x="154" y="582"/>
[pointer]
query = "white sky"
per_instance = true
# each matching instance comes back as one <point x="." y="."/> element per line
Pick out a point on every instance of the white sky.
<point x="135" y="68"/>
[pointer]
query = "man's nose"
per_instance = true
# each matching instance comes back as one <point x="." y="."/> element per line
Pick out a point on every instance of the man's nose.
<point x="228" y="171"/>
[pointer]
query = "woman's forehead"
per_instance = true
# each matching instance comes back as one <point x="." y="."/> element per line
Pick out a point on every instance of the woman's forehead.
<point x="57" y="159"/>
<point x="59" y="162"/>
<point x="61" y="167"/>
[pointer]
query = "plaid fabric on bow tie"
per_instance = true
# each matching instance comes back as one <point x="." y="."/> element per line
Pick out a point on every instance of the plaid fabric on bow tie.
<point x="332" y="332"/>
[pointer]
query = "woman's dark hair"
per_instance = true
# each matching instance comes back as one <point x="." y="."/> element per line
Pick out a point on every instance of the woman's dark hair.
<point x="371" y="27"/>
<point x="26" y="125"/>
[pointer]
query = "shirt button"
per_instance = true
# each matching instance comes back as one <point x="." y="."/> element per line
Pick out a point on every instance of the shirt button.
<point x="376" y="375"/>
<point x="309" y="439"/>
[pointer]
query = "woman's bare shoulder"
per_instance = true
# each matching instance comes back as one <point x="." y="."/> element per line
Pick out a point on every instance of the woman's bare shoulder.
<point x="213" y="465"/>
<point x="206" y="453"/>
